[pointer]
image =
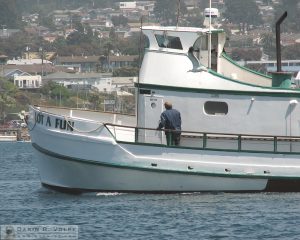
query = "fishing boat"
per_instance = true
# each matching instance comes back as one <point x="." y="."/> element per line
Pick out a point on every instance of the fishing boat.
<point x="240" y="128"/>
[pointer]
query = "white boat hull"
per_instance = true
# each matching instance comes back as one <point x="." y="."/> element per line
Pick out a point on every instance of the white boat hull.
<point x="90" y="158"/>
<point x="83" y="175"/>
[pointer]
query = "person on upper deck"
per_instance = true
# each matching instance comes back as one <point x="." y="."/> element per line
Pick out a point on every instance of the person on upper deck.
<point x="170" y="120"/>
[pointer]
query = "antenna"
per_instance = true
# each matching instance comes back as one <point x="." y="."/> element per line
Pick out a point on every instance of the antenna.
<point x="178" y="12"/>
<point x="209" y="37"/>
<point x="138" y="82"/>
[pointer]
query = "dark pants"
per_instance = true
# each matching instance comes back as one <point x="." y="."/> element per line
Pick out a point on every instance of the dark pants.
<point x="173" y="138"/>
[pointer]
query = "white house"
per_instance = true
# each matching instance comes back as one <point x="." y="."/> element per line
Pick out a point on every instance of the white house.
<point x="28" y="82"/>
<point x="127" y="5"/>
<point x="27" y="61"/>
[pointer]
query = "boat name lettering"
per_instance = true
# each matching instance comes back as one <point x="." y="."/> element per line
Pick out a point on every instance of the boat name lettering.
<point x="39" y="118"/>
<point x="64" y="124"/>
<point x="58" y="123"/>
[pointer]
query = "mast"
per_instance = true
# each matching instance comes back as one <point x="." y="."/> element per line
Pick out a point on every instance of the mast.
<point x="209" y="37"/>
<point x="138" y="81"/>
<point x="178" y="12"/>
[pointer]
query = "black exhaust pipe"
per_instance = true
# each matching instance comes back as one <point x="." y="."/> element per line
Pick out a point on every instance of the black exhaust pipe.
<point x="280" y="79"/>
<point x="278" y="47"/>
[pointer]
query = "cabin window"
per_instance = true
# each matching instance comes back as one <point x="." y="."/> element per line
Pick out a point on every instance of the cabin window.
<point x="201" y="43"/>
<point x="215" y="108"/>
<point x="200" y="50"/>
<point x="146" y="41"/>
<point x="145" y="91"/>
<point x="165" y="41"/>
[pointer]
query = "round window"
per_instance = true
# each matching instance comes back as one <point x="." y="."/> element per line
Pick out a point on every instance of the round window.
<point x="153" y="105"/>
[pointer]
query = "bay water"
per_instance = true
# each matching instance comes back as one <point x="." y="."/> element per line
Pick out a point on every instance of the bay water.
<point x="23" y="201"/>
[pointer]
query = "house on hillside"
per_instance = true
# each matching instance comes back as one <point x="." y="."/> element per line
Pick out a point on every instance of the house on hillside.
<point x="122" y="61"/>
<point x="96" y="63"/>
<point x="11" y="73"/>
<point x="22" y="79"/>
<point x="3" y="59"/>
<point x="6" y="33"/>
<point x="124" y="84"/>
<point x="28" y="81"/>
<point x="101" y="82"/>
<point x="80" y="63"/>
<point x="36" y="69"/>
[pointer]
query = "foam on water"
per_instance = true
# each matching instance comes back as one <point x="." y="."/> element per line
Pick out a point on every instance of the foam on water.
<point x="109" y="194"/>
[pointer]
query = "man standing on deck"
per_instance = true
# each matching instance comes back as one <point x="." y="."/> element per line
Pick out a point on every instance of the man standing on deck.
<point x="170" y="120"/>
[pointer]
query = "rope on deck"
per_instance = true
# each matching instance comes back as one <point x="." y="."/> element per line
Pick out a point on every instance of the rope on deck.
<point x="81" y="131"/>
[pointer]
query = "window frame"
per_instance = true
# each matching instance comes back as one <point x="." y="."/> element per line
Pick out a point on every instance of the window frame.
<point x="172" y="41"/>
<point x="210" y="108"/>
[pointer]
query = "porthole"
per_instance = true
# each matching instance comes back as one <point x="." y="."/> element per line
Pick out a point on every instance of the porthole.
<point x="153" y="105"/>
<point x="215" y="108"/>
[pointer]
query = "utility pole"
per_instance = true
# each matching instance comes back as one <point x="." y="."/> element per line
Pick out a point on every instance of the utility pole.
<point x="41" y="49"/>
<point x="27" y="50"/>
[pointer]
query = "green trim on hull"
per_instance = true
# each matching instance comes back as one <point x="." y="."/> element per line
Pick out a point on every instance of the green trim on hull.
<point x="244" y="68"/>
<point x="167" y="171"/>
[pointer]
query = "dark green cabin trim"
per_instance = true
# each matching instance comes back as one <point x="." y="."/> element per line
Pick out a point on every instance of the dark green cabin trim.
<point x="237" y="150"/>
<point x="295" y="93"/>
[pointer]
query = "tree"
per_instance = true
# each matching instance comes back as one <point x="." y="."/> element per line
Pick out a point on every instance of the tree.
<point x="119" y="20"/>
<point x="95" y="99"/>
<point x="112" y="35"/>
<point x="59" y="43"/>
<point x="126" y="72"/>
<point x="7" y="100"/>
<point x="166" y="11"/>
<point x="269" y="44"/>
<point x="131" y="45"/>
<point x="195" y="21"/>
<point x="244" y="13"/>
<point x="246" y="54"/>
<point x="54" y="90"/>
<point x="47" y="21"/>
<point x="9" y="16"/>
<point x="291" y="52"/>
<point x="16" y="44"/>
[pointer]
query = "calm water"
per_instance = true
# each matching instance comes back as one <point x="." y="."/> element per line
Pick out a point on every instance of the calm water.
<point x="141" y="216"/>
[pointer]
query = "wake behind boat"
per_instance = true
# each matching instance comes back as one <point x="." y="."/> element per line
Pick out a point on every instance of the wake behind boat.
<point x="240" y="129"/>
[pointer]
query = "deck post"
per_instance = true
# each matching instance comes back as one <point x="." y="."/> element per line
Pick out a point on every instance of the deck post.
<point x="239" y="142"/>
<point x="204" y="140"/>
<point x="275" y="144"/>
<point x="136" y="134"/>
<point x="170" y="139"/>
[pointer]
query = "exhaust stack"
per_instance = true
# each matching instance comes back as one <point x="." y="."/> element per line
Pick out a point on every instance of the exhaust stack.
<point x="278" y="47"/>
<point x="280" y="79"/>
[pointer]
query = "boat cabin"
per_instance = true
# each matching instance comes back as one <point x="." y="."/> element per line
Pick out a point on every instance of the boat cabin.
<point x="222" y="98"/>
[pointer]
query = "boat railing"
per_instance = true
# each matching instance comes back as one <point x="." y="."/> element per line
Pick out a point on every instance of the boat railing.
<point x="207" y="140"/>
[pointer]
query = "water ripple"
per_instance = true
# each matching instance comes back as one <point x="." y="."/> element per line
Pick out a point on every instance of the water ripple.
<point x="141" y="216"/>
